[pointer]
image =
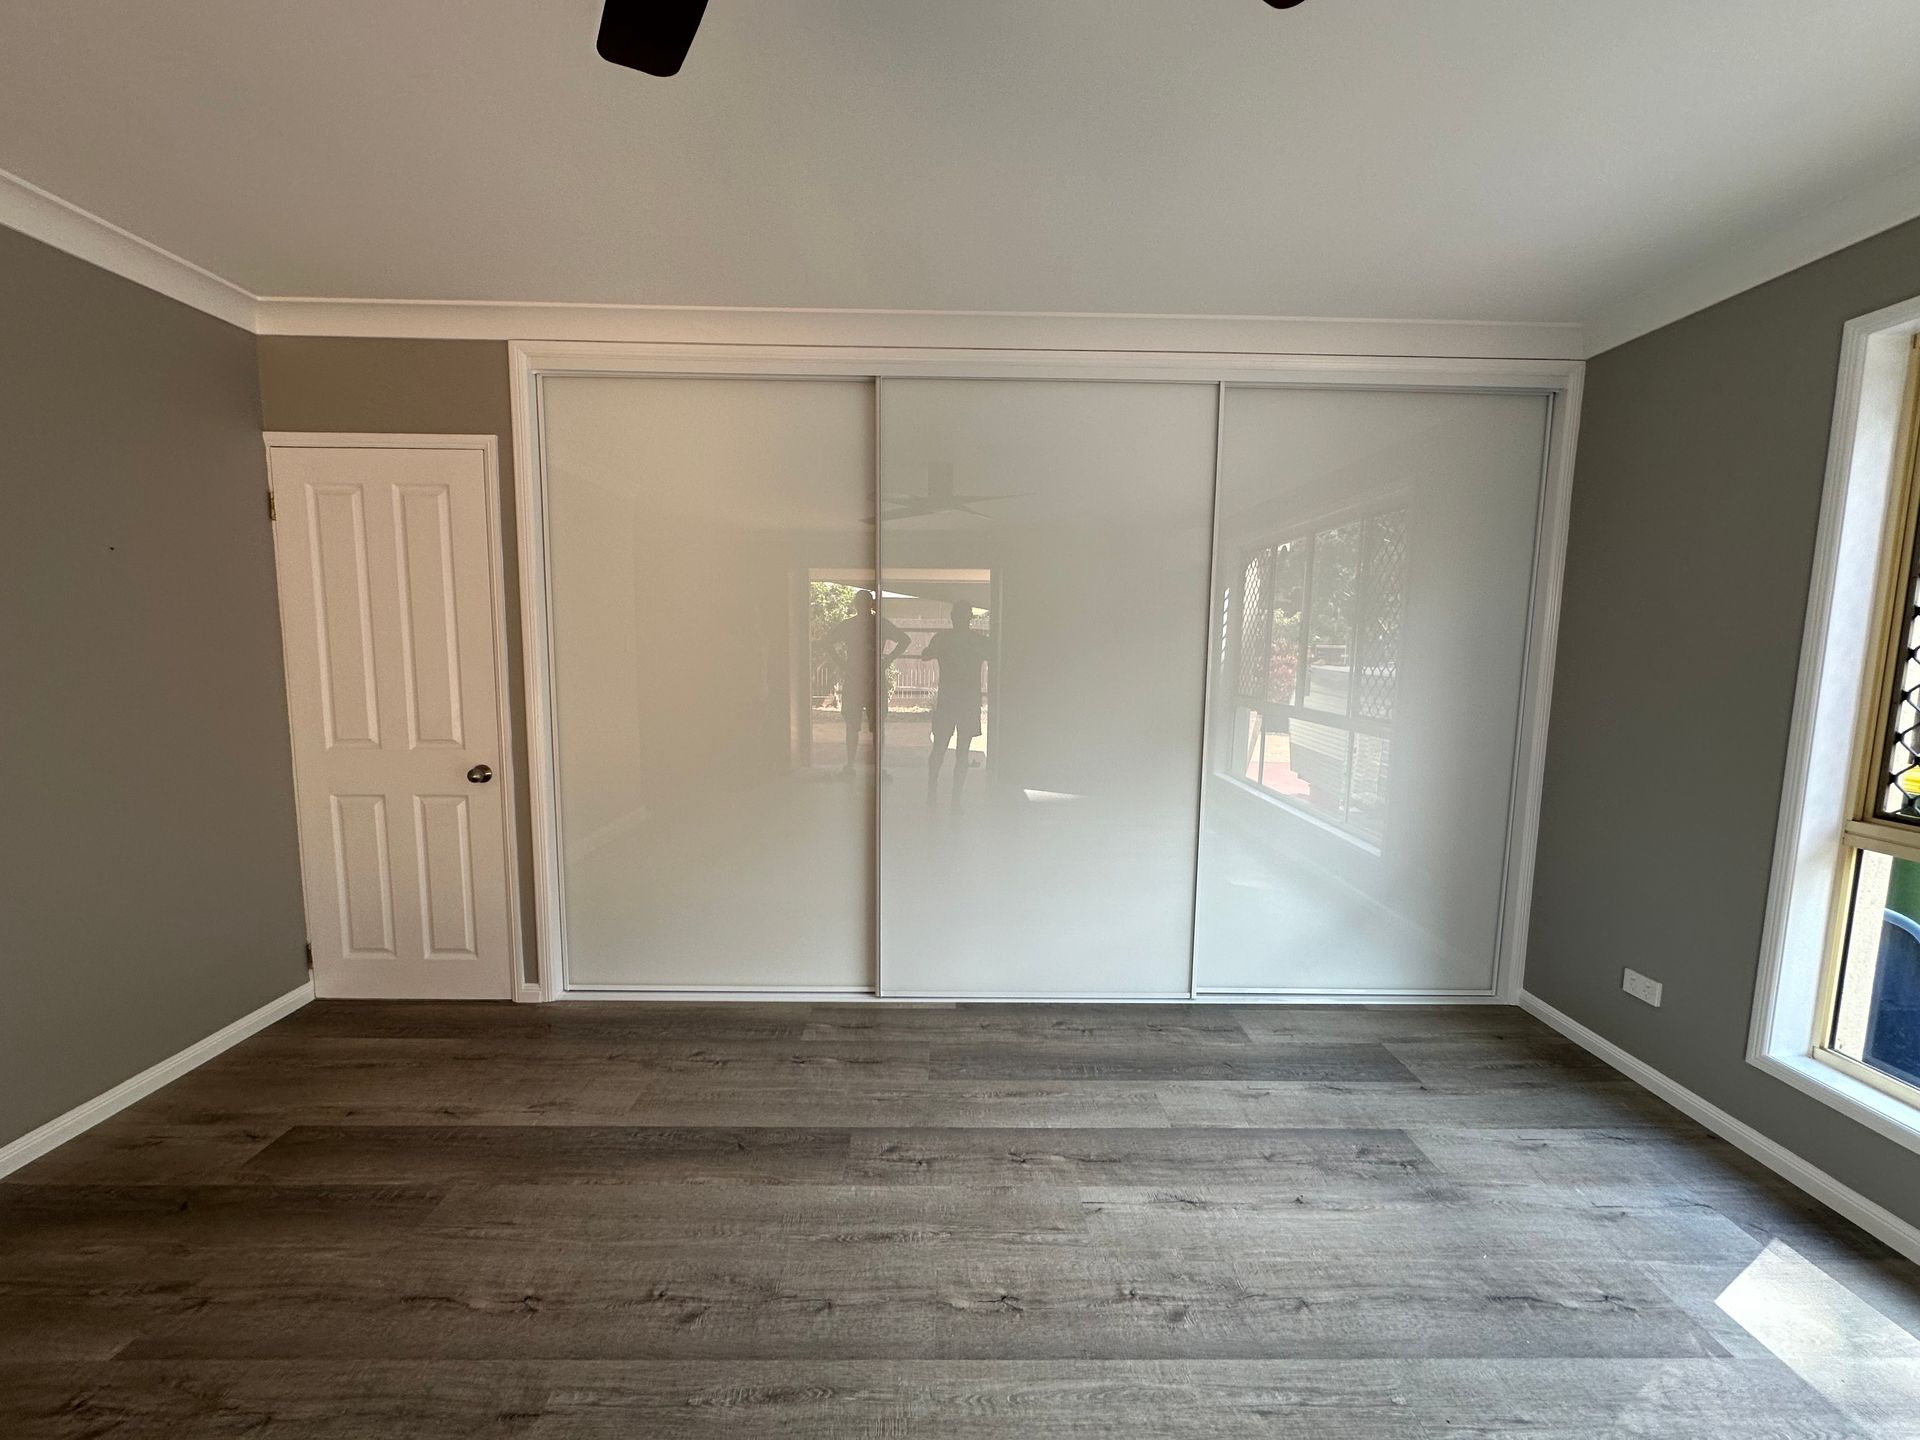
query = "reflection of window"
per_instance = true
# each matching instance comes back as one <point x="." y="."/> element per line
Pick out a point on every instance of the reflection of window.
<point x="1317" y="619"/>
<point x="1869" y="1024"/>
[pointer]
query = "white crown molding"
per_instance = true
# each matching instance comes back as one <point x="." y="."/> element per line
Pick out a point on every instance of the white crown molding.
<point x="24" y="206"/>
<point x="32" y="211"/>
<point x="81" y="1118"/>
<point x="1869" y="1215"/>
<point x="918" y="329"/>
<point x="27" y="208"/>
<point x="1757" y="259"/>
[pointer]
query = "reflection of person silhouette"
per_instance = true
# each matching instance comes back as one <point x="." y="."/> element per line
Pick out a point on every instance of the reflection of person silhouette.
<point x="960" y="653"/>
<point x="852" y="644"/>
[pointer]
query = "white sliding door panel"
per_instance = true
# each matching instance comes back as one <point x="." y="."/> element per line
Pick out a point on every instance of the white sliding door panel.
<point x="707" y="545"/>
<point x="385" y="564"/>
<point x="1044" y="559"/>
<point x="1374" y="567"/>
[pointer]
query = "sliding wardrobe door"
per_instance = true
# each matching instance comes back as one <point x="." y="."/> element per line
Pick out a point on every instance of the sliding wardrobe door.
<point x="1375" y="563"/>
<point x="708" y="545"/>
<point x="1044" y="558"/>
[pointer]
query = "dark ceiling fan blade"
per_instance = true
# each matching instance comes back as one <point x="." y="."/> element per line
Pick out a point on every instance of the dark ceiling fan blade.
<point x="649" y="35"/>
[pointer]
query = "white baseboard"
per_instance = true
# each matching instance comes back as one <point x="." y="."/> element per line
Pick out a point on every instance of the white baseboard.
<point x="82" y="1118"/>
<point x="1875" y="1219"/>
<point x="1207" y="995"/>
<point x="850" y="996"/>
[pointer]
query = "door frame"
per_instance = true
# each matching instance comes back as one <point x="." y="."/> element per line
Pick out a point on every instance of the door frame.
<point x="1561" y="381"/>
<point x="505" y="771"/>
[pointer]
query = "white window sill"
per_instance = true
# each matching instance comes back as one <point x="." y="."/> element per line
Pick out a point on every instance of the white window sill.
<point x="1875" y="1108"/>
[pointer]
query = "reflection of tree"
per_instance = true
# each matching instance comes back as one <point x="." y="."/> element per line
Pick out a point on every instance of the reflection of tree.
<point x="1288" y="584"/>
<point x="1284" y="668"/>
<point x="1316" y="574"/>
<point x="1336" y="561"/>
<point x="828" y="604"/>
<point x="1318" y="665"/>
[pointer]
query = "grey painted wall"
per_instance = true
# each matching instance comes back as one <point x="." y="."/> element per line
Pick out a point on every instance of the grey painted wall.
<point x="1696" y="495"/>
<point x="419" y="387"/>
<point x="149" y="870"/>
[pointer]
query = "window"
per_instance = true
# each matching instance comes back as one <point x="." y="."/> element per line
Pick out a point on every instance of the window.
<point x="1869" y="1016"/>
<point x="1837" y="1012"/>
<point x="1318" y="636"/>
<point x="1876" y="1001"/>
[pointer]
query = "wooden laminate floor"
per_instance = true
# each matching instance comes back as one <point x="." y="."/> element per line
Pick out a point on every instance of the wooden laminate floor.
<point x="421" y="1220"/>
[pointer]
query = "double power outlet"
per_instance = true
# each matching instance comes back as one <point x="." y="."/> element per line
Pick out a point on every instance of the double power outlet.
<point x="1640" y="987"/>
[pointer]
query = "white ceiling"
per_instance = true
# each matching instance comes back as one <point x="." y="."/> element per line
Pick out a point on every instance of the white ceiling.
<point x="1472" y="159"/>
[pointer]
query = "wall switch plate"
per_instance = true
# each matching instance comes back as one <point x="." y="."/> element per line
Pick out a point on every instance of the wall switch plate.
<point x="1640" y="987"/>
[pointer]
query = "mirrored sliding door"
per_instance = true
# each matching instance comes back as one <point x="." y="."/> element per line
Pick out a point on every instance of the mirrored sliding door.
<point x="710" y="554"/>
<point x="1374" y="568"/>
<point x="1043" y="568"/>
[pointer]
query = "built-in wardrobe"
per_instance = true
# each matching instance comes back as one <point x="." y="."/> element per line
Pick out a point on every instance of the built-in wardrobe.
<point x="964" y="685"/>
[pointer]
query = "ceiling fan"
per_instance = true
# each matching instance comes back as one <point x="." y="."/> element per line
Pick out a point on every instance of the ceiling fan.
<point x="655" y="35"/>
<point x="649" y="35"/>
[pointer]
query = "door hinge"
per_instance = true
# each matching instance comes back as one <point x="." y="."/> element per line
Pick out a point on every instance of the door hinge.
<point x="273" y="511"/>
<point x="309" y="955"/>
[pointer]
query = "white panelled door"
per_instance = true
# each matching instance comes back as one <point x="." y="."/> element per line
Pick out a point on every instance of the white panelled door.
<point x="387" y="608"/>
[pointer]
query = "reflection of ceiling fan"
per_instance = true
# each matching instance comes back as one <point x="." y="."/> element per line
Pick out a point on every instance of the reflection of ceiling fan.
<point x="655" y="35"/>
<point x="939" y="499"/>
<point x="649" y="35"/>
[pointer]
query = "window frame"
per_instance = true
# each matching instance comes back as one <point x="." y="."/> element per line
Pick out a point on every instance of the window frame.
<point x="1867" y="830"/>
<point x="1851" y="653"/>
